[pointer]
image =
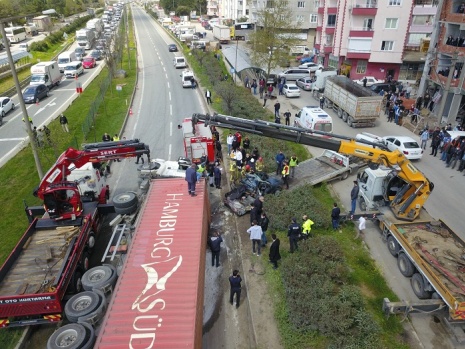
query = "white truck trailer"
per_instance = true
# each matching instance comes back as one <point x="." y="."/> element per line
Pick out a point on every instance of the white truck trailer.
<point x="354" y="104"/>
<point x="47" y="73"/>
<point x="85" y="38"/>
<point x="96" y="25"/>
<point x="221" y="33"/>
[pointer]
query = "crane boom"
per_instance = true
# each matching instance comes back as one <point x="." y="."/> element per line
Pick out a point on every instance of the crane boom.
<point x="408" y="201"/>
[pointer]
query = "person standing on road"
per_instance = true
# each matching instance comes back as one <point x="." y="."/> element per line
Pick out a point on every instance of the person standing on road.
<point x="208" y="96"/>
<point x="285" y="174"/>
<point x="335" y="213"/>
<point x="361" y="226"/>
<point x="270" y="90"/>
<point x="235" y="283"/>
<point x="293" y="233"/>
<point x="293" y="162"/>
<point x="435" y="141"/>
<point x="229" y="142"/>
<point x="274" y="251"/>
<point x="322" y="102"/>
<point x="217" y="176"/>
<point x="191" y="178"/>
<point x="365" y="80"/>
<point x="277" y="106"/>
<point x="255" y="232"/>
<point x="424" y="138"/>
<point x="215" y="247"/>
<point x="265" y="98"/>
<point x="287" y="116"/>
<point x="64" y="123"/>
<point x="354" y="197"/>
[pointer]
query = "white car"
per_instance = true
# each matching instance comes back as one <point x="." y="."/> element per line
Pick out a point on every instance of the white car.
<point x="6" y="104"/>
<point x="406" y="145"/>
<point x="304" y="83"/>
<point x="370" y="81"/>
<point x="313" y="67"/>
<point x="291" y="90"/>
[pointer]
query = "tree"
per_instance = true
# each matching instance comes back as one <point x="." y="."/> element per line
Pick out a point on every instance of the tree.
<point x="228" y="93"/>
<point x="275" y="35"/>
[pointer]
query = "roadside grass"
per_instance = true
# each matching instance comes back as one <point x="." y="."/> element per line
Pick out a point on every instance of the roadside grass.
<point x="18" y="177"/>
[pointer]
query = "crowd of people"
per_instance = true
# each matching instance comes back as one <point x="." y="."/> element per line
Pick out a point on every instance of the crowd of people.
<point x="452" y="151"/>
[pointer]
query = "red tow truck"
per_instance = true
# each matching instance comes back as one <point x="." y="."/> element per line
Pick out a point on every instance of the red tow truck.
<point x="50" y="258"/>
<point x="198" y="141"/>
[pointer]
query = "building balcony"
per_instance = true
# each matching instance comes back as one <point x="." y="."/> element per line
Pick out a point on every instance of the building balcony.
<point x="426" y="3"/>
<point x="424" y="11"/>
<point x="319" y="28"/>
<point x="443" y="48"/>
<point x="361" y="33"/>
<point x="427" y="28"/>
<point x="364" y="7"/>
<point x="332" y="10"/>
<point x="443" y="80"/>
<point x="328" y="49"/>
<point x="321" y="10"/>
<point x="358" y="55"/>
<point x="330" y="30"/>
<point x="453" y="17"/>
<point x="317" y="46"/>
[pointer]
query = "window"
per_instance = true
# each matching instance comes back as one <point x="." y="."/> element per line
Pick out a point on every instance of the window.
<point x="316" y="4"/>
<point x="391" y="23"/>
<point x="367" y="23"/>
<point x="299" y="18"/>
<point x="300" y="4"/>
<point x="395" y="2"/>
<point x="387" y="45"/>
<point x="422" y="20"/>
<point x="329" y="40"/>
<point x="313" y="18"/>
<point x="333" y="61"/>
<point x="362" y="67"/>
<point x="415" y="38"/>
<point x="331" y="21"/>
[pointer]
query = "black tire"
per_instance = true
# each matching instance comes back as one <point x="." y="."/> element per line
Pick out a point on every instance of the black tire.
<point x="3" y="114"/>
<point x="48" y="93"/>
<point x="90" y="336"/>
<point x="435" y="295"/>
<point x="344" y="116"/>
<point x="1" y="121"/>
<point x="393" y="246"/>
<point x="405" y="266"/>
<point x="418" y="286"/>
<point x="13" y="106"/>
<point x="81" y="304"/>
<point x="71" y="336"/>
<point x="339" y="113"/>
<point x="75" y="285"/>
<point x="126" y="210"/>
<point x="85" y="260"/>
<point x="37" y="100"/>
<point x="350" y="122"/>
<point x="362" y="204"/>
<point x="99" y="277"/>
<point x="124" y="200"/>
<point x="345" y="175"/>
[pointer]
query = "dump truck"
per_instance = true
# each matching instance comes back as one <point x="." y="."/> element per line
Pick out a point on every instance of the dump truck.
<point x="49" y="260"/>
<point x="427" y="250"/>
<point x="354" y="104"/>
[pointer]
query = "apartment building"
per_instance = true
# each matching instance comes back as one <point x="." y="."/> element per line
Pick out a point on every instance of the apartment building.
<point x="363" y="37"/>
<point x="444" y="76"/>
<point x="212" y="7"/>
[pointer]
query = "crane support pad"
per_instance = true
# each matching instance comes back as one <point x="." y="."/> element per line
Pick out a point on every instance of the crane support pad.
<point x="419" y="306"/>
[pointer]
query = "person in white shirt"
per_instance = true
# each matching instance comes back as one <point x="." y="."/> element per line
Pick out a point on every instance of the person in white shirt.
<point x="255" y="232"/>
<point x="361" y="226"/>
<point x="229" y="142"/>
<point x="238" y="158"/>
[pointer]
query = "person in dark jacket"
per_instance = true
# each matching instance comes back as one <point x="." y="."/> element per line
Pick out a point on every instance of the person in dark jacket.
<point x="280" y="157"/>
<point x="354" y="197"/>
<point x="256" y="210"/>
<point x="235" y="283"/>
<point x="293" y="234"/>
<point x="217" y="176"/>
<point x="191" y="178"/>
<point x="274" y="251"/>
<point x="335" y="213"/>
<point x="264" y="221"/>
<point x="215" y="247"/>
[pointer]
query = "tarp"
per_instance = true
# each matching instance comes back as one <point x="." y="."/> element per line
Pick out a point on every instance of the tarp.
<point x="16" y="56"/>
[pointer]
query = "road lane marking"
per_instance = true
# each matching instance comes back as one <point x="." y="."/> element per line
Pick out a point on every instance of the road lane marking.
<point x="12" y="139"/>
<point x="169" y="95"/>
<point x="171" y="128"/>
<point x="169" y="152"/>
<point x="168" y="84"/>
<point x="171" y="110"/>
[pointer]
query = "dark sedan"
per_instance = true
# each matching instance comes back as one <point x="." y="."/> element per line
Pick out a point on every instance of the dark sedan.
<point x="34" y="93"/>
<point x="172" y="48"/>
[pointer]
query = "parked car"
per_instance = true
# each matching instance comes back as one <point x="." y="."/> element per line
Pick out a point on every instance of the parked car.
<point x="6" y="104"/>
<point x="295" y="73"/>
<point x="406" y="145"/>
<point x="370" y="81"/>
<point x="291" y="90"/>
<point x="80" y="52"/>
<point x="172" y="48"/>
<point x="96" y="54"/>
<point x="34" y="93"/>
<point x="89" y="62"/>
<point x="313" y="67"/>
<point x="306" y="59"/>
<point x="376" y="88"/>
<point x="304" y="83"/>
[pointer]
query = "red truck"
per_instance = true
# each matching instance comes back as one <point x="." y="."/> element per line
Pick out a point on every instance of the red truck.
<point x="157" y="301"/>
<point x="51" y="257"/>
<point x="198" y="141"/>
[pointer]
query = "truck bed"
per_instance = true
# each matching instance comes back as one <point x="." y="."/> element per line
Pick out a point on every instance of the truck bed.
<point x="39" y="260"/>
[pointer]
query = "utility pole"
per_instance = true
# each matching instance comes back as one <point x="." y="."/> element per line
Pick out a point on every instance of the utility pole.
<point x="21" y="101"/>
<point x="446" y="88"/>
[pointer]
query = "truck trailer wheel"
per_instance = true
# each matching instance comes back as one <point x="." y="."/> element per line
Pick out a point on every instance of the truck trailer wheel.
<point x="345" y="175"/>
<point x="393" y="246"/>
<point x="405" y="266"/>
<point x="339" y="113"/>
<point x="350" y="122"/>
<point x="124" y="200"/>
<point x="99" y="277"/>
<point x="81" y="304"/>
<point x="344" y="116"/>
<point x="75" y="285"/>
<point x="126" y="210"/>
<point x="72" y="336"/>
<point x="418" y="286"/>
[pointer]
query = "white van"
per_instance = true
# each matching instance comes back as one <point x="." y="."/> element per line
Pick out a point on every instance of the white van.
<point x="74" y="69"/>
<point x="186" y="78"/>
<point x="314" y="118"/>
<point x="179" y="62"/>
<point x="65" y="58"/>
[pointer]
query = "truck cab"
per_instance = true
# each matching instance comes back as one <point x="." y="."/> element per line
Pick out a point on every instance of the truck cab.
<point x="377" y="187"/>
<point x="314" y="118"/>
